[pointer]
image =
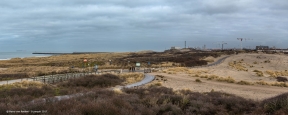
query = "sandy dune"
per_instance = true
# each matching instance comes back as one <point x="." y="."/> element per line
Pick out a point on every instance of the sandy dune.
<point x="251" y="62"/>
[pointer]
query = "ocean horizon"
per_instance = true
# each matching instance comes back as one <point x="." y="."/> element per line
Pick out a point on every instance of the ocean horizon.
<point x="19" y="54"/>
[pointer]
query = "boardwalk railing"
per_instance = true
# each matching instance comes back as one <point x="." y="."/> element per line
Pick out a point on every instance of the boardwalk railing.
<point x="51" y="79"/>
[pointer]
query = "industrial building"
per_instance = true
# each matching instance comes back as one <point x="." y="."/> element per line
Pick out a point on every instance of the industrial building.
<point x="262" y="47"/>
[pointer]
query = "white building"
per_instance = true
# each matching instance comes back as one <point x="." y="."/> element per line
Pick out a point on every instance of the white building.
<point x="175" y="48"/>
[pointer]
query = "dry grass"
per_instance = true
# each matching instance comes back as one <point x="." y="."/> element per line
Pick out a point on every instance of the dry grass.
<point x="59" y="59"/>
<point x="244" y="83"/>
<point x="277" y="73"/>
<point x="36" y="70"/>
<point x="209" y="59"/>
<point x="118" y="91"/>
<point x="131" y="77"/>
<point x="262" y="83"/>
<point x="238" y="66"/>
<point x="267" y="61"/>
<point x="280" y="84"/>
<point x="259" y="73"/>
<point x="184" y="70"/>
<point x="167" y="64"/>
<point x="211" y="77"/>
<point x="158" y="84"/>
<point x="198" y="72"/>
<point x="23" y="84"/>
<point x="227" y="79"/>
<point x="204" y="76"/>
<point x="46" y="65"/>
<point x="178" y="69"/>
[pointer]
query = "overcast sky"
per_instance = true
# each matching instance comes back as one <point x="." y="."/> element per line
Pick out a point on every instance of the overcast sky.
<point x="133" y="25"/>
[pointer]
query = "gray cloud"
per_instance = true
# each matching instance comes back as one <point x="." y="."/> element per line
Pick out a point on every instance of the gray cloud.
<point x="101" y="25"/>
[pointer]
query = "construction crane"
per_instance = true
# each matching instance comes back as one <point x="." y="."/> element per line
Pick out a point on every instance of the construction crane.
<point x="241" y="39"/>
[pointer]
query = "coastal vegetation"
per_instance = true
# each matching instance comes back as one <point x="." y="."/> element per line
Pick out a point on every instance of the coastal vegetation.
<point x="152" y="100"/>
<point x="60" y="64"/>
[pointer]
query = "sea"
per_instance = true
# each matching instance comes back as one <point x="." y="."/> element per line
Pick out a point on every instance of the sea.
<point x="19" y="54"/>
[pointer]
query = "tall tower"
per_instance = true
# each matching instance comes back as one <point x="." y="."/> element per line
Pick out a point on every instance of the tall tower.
<point x="185" y="44"/>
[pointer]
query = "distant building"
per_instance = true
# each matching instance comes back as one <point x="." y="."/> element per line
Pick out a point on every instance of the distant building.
<point x="262" y="47"/>
<point x="175" y="48"/>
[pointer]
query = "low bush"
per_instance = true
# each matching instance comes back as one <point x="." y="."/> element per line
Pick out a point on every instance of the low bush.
<point x="281" y="84"/>
<point x="259" y="73"/>
<point x="281" y="79"/>
<point x="198" y="80"/>
<point x="204" y="76"/>
<point x="276" y="105"/>
<point x="158" y="84"/>
<point x="211" y="77"/>
<point x="228" y="79"/>
<point x="244" y="83"/>
<point x="151" y="101"/>
<point x="91" y="81"/>
<point x="7" y="76"/>
<point x="262" y="83"/>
